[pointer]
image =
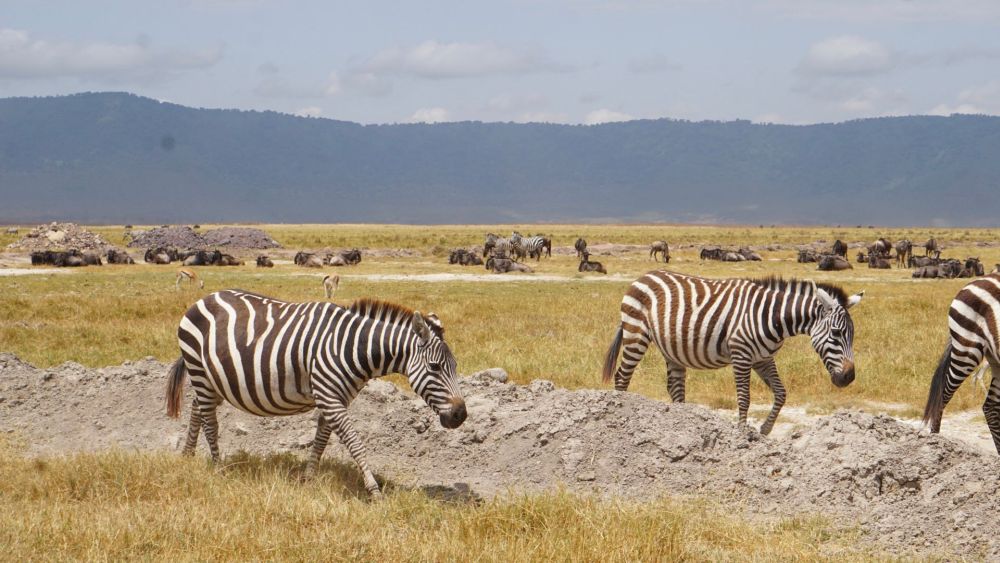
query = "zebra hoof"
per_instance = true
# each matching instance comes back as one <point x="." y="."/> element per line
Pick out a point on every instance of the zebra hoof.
<point x="766" y="428"/>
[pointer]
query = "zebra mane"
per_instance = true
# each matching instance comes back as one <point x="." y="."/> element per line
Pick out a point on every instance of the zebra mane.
<point x="778" y="283"/>
<point x="387" y="311"/>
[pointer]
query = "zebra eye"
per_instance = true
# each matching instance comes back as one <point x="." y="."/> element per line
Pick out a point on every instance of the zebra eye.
<point x="434" y="366"/>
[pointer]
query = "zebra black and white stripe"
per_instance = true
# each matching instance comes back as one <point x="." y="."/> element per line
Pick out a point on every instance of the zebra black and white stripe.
<point x="274" y="358"/>
<point x="533" y="246"/>
<point x="707" y="324"/>
<point x="974" y="326"/>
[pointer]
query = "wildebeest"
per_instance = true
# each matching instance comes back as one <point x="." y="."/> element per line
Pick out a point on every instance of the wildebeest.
<point x="489" y="243"/>
<point x="263" y="261"/>
<point x="927" y="272"/>
<point x="307" y="260"/>
<point x="807" y="255"/>
<point x="972" y="268"/>
<point x="463" y="257"/>
<point x="229" y="260"/>
<point x="921" y="261"/>
<point x="878" y="262"/>
<point x="730" y="256"/>
<point x="201" y="258"/>
<point x="881" y="247"/>
<point x="833" y="262"/>
<point x="343" y="258"/>
<point x="931" y="246"/>
<point x="581" y="246"/>
<point x="116" y="256"/>
<point x="503" y="265"/>
<point x="840" y="248"/>
<point x="862" y="257"/>
<point x="749" y="254"/>
<point x="587" y="266"/>
<point x="60" y="258"/>
<point x="660" y="247"/>
<point x="161" y="255"/>
<point x="904" y="249"/>
<point x="92" y="258"/>
<point x="711" y="253"/>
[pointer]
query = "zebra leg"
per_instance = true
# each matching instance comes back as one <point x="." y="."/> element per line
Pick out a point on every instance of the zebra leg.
<point x="991" y="408"/>
<point x="741" y="372"/>
<point x="337" y="418"/>
<point x="768" y="371"/>
<point x="323" y="429"/>
<point x="633" y="348"/>
<point x="676" y="376"/>
<point x="194" y="428"/>
<point x="206" y="409"/>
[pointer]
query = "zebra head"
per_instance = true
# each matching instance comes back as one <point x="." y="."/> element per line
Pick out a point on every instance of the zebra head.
<point x="833" y="336"/>
<point x="431" y="370"/>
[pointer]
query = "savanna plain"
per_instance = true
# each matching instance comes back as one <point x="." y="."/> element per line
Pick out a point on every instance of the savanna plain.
<point x="555" y="324"/>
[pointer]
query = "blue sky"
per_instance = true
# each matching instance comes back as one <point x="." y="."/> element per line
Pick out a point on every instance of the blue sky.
<point x="571" y="61"/>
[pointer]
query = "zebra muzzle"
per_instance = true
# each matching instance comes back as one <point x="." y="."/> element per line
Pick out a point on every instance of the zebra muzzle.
<point x="846" y="375"/>
<point x="454" y="416"/>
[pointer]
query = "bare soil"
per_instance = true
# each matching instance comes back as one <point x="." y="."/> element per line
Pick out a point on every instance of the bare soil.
<point x="910" y="493"/>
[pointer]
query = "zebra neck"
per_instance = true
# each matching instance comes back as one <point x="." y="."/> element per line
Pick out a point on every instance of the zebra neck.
<point x="798" y="312"/>
<point x="397" y="344"/>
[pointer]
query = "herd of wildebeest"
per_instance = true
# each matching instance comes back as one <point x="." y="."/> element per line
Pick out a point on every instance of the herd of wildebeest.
<point x="501" y="255"/>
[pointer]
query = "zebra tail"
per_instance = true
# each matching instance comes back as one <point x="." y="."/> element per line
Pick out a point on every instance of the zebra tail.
<point x="175" y="387"/>
<point x="611" y="360"/>
<point x="935" y="399"/>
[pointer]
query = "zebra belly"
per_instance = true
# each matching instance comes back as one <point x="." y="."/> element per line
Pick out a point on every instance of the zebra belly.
<point x="257" y="387"/>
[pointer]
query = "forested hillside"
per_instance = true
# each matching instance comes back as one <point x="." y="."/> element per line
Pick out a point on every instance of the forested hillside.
<point x="113" y="157"/>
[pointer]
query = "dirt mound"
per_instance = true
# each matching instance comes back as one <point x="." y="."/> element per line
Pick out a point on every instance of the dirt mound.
<point x="168" y="237"/>
<point x="239" y="237"/>
<point x="908" y="492"/>
<point x="186" y="238"/>
<point x="60" y="236"/>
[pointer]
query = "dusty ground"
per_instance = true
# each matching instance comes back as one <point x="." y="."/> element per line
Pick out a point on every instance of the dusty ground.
<point x="908" y="492"/>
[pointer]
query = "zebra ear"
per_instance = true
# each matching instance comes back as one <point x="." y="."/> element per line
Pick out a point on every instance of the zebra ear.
<point x="828" y="301"/>
<point x="421" y="328"/>
<point x="854" y="299"/>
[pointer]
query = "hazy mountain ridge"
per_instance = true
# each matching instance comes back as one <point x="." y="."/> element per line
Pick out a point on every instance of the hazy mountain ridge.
<point x="110" y="157"/>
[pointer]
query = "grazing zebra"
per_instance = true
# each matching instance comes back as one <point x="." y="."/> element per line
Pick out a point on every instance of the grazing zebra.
<point x="975" y="336"/>
<point x="707" y="324"/>
<point x="272" y="358"/>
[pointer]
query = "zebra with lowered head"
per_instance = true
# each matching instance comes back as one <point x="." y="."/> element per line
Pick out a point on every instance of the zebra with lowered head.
<point x="974" y="336"/>
<point x="274" y="358"/>
<point x="707" y="324"/>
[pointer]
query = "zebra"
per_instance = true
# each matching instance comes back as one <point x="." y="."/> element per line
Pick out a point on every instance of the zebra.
<point x="533" y="246"/>
<point x="504" y="248"/>
<point x="710" y="323"/>
<point x="974" y="336"/>
<point x="274" y="358"/>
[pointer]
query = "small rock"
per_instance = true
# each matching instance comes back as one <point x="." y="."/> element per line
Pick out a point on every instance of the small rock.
<point x="491" y="374"/>
<point x="586" y="476"/>
<point x="541" y="386"/>
<point x="240" y="430"/>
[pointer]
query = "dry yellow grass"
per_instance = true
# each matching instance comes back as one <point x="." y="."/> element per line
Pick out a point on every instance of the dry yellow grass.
<point x="119" y="505"/>
<point x="556" y="330"/>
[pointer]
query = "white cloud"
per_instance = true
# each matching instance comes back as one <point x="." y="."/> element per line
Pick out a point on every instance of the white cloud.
<point x="435" y="60"/>
<point x="24" y="56"/>
<point x="847" y="56"/>
<point x="310" y="111"/>
<point x="430" y="115"/>
<point x="652" y="63"/>
<point x="982" y="99"/>
<point x="604" y="115"/>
